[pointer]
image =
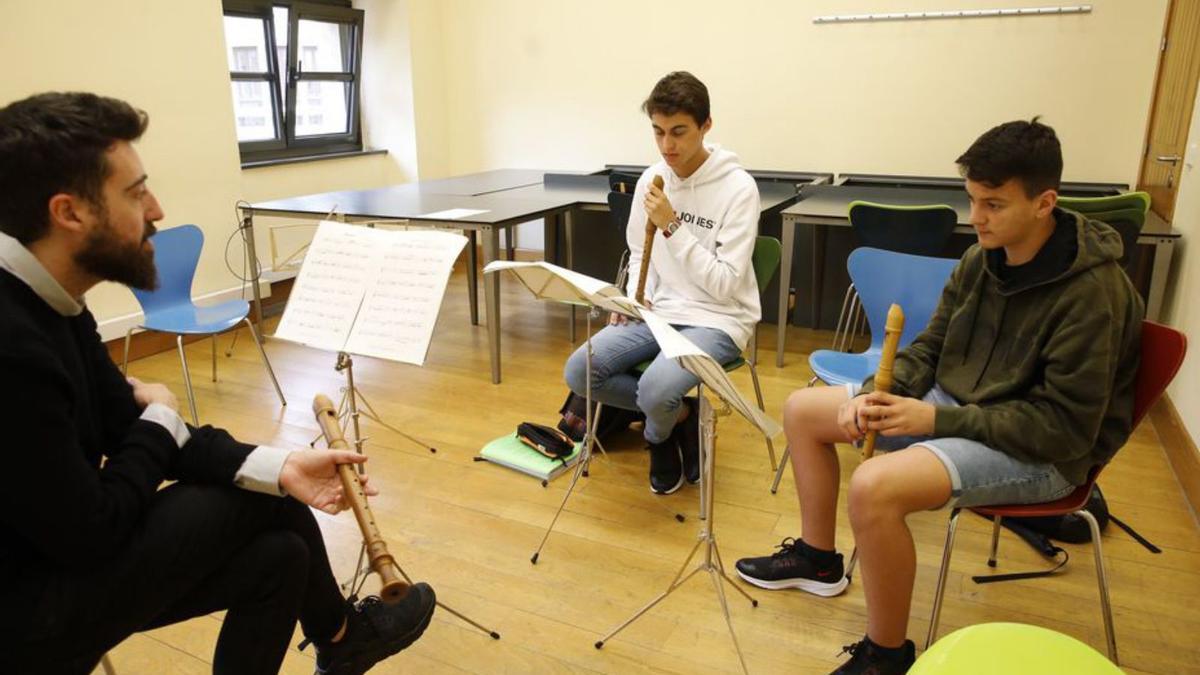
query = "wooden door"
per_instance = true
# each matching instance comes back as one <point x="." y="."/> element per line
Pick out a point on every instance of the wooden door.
<point x="1174" y="95"/>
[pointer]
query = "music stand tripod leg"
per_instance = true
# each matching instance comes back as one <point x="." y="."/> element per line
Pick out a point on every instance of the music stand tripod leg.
<point x="711" y="561"/>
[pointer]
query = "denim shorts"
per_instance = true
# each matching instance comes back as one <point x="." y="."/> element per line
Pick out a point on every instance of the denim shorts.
<point x="980" y="475"/>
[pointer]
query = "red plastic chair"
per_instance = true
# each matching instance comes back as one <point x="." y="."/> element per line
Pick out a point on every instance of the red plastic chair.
<point x="1162" y="352"/>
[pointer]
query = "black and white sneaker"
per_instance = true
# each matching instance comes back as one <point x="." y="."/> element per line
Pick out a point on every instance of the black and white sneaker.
<point x="376" y="630"/>
<point x="868" y="658"/>
<point x="794" y="565"/>
<point x="666" y="469"/>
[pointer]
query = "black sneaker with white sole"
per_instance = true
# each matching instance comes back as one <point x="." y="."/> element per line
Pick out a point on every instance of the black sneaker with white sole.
<point x="868" y="658"/>
<point x="795" y="565"/>
<point x="376" y="630"/>
<point x="666" y="467"/>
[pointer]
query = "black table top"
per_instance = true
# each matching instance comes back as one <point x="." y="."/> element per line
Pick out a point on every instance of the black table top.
<point x="484" y="182"/>
<point x="593" y="190"/>
<point x="830" y="204"/>
<point x="1068" y="188"/>
<point x="409" y="202"/>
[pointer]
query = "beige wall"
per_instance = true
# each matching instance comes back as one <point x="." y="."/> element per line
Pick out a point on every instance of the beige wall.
<point x="547" y="83"/>
<point x="168" y="58"/>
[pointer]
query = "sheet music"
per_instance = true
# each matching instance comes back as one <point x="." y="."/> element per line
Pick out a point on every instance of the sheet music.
<point x="400" y="309"/>
<point x="693" y="359"/>
<point x="551" y="282"/>
<point x="370" y="292"/>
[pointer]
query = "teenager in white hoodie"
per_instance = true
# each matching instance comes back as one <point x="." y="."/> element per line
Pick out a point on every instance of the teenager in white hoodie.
<point x="700" y="279"/>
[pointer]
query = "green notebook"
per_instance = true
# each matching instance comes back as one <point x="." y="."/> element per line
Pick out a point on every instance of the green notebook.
<point x="511" y="452"/>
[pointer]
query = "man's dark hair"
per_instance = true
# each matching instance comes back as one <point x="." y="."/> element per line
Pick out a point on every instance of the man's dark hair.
<point x="56" y="142"/>
<point x="676" y="92"/>
<point x="1028" y="151"/>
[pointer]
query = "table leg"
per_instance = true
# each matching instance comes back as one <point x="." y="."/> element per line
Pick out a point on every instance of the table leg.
<point x="788" y="231"/>
<point x="491" y="299"/>
<point x="569" y="236"/>
<point x="818" y="272"/>
<point x="1164" y="247"/>
<point x="255" y="273"/>
<point x="472" y="265"/>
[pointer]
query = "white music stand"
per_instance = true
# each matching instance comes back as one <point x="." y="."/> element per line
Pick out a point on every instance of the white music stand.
<point x="550" y="282"/>
<point x="712" y="376"/>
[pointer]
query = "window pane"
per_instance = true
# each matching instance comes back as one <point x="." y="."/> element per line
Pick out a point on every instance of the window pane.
<point x="321" y="108"/>
<point x="246" y="40"/>
<point x="252" y="109"/>
<point x="323" y="46"/>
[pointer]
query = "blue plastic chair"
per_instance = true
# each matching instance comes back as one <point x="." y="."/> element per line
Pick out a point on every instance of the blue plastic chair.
<point x="170" y="309"/>
<point x="881" y="278"/>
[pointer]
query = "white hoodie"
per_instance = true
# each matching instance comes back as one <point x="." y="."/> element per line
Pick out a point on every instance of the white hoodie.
<point x="702" y="274"/>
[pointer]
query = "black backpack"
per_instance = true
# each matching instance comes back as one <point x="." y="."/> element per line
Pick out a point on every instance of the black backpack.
<point x="1070" y="528"/>
<point x="612" y="420"/>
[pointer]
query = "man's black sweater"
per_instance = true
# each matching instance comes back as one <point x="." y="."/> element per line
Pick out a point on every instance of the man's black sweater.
<point x="81" y="466"/>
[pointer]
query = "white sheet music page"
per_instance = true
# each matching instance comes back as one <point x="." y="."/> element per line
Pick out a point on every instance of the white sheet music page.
<point x="548" y="281"/>
<point x="693" y="359"/>
<point x="400" y="309"/>
<point x="329" y="289"/>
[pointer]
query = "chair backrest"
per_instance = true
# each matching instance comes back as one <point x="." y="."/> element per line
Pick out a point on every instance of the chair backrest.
<point x="619" y="206"/>
<point x="176" y="254"/>
<point x="622" y="182"/>
<point x="767" y="252"/>
<point x="914" y="282"/>
<point x="919" y="230"/>
<point x="1162" y="349"/>
<point x="1091" y="205"/>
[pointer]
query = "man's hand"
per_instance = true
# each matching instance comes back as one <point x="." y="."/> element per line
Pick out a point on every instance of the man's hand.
<point x="617" y="319"/>
<point x="311" y="476"/>
<point x="145" y="393"/>
<point x="658" y="207"/>
<point x="893" y="415"/>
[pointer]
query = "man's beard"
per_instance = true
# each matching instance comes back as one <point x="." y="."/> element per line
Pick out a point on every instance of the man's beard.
<point x="107" y="256"/>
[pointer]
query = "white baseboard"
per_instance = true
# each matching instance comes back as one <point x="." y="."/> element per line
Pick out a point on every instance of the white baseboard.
<point x="111" y="329"/>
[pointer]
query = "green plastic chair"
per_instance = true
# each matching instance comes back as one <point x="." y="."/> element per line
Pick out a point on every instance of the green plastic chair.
<point x="1007" y="648"/>
<point x="1125" y="213"/>
<point x="765" y="260"/>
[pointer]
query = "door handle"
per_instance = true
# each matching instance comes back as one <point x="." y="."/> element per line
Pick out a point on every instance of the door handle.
<point x="1168" y="159"/>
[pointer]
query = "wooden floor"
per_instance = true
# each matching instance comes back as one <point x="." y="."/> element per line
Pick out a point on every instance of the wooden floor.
<point x="469" y="528"/>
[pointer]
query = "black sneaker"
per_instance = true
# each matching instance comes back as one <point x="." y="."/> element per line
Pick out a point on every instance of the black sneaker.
<point x="376" y="630"/>
<point x="868" y="658"/>
<point x="687" y="436"/>
<point x="666" y="470"/>
<point x="792" y="566"/>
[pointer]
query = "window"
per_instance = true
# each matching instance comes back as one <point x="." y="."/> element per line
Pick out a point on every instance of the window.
<point x="294" y="71"/>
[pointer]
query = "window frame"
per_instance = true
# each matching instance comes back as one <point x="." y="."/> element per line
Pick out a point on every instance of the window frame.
<point x="284" y="79"/>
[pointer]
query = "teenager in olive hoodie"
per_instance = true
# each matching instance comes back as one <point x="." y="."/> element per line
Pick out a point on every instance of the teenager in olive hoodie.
<point x="1020" y="384"/>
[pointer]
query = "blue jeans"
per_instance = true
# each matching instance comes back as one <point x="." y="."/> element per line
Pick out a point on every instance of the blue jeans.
<point x="659" y="391"/>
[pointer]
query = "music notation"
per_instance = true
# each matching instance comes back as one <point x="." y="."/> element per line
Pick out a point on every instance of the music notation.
<point x="370" y="291"/>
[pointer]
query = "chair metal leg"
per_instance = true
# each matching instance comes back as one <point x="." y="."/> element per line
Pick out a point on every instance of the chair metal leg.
<point x="125" y="361"/>
<point x="940" y="592"/>
<point x="107" y="665"/>
<point x="852" y="564"/>
<point x="187" y="380"/>
<point x="263" y="353"/>
<point x="844" y="318"/>
<point x="995" y="541"/>
<point x="1102" y="582"/>
<point x="214" y="357"/>
<point x="783" y="461"/>
<point x="761" y="406"/>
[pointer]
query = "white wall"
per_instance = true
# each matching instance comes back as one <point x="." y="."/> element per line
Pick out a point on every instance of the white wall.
<point x="546" y="83"/>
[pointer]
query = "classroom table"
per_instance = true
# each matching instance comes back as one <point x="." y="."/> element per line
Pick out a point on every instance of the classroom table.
<point x="424" y="205"/>
<point x="825" y="206"/>
<point x="1067" y="188"/>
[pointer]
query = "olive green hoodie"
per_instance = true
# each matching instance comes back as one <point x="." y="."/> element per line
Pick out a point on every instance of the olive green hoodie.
<point x="1044" y="370"/>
